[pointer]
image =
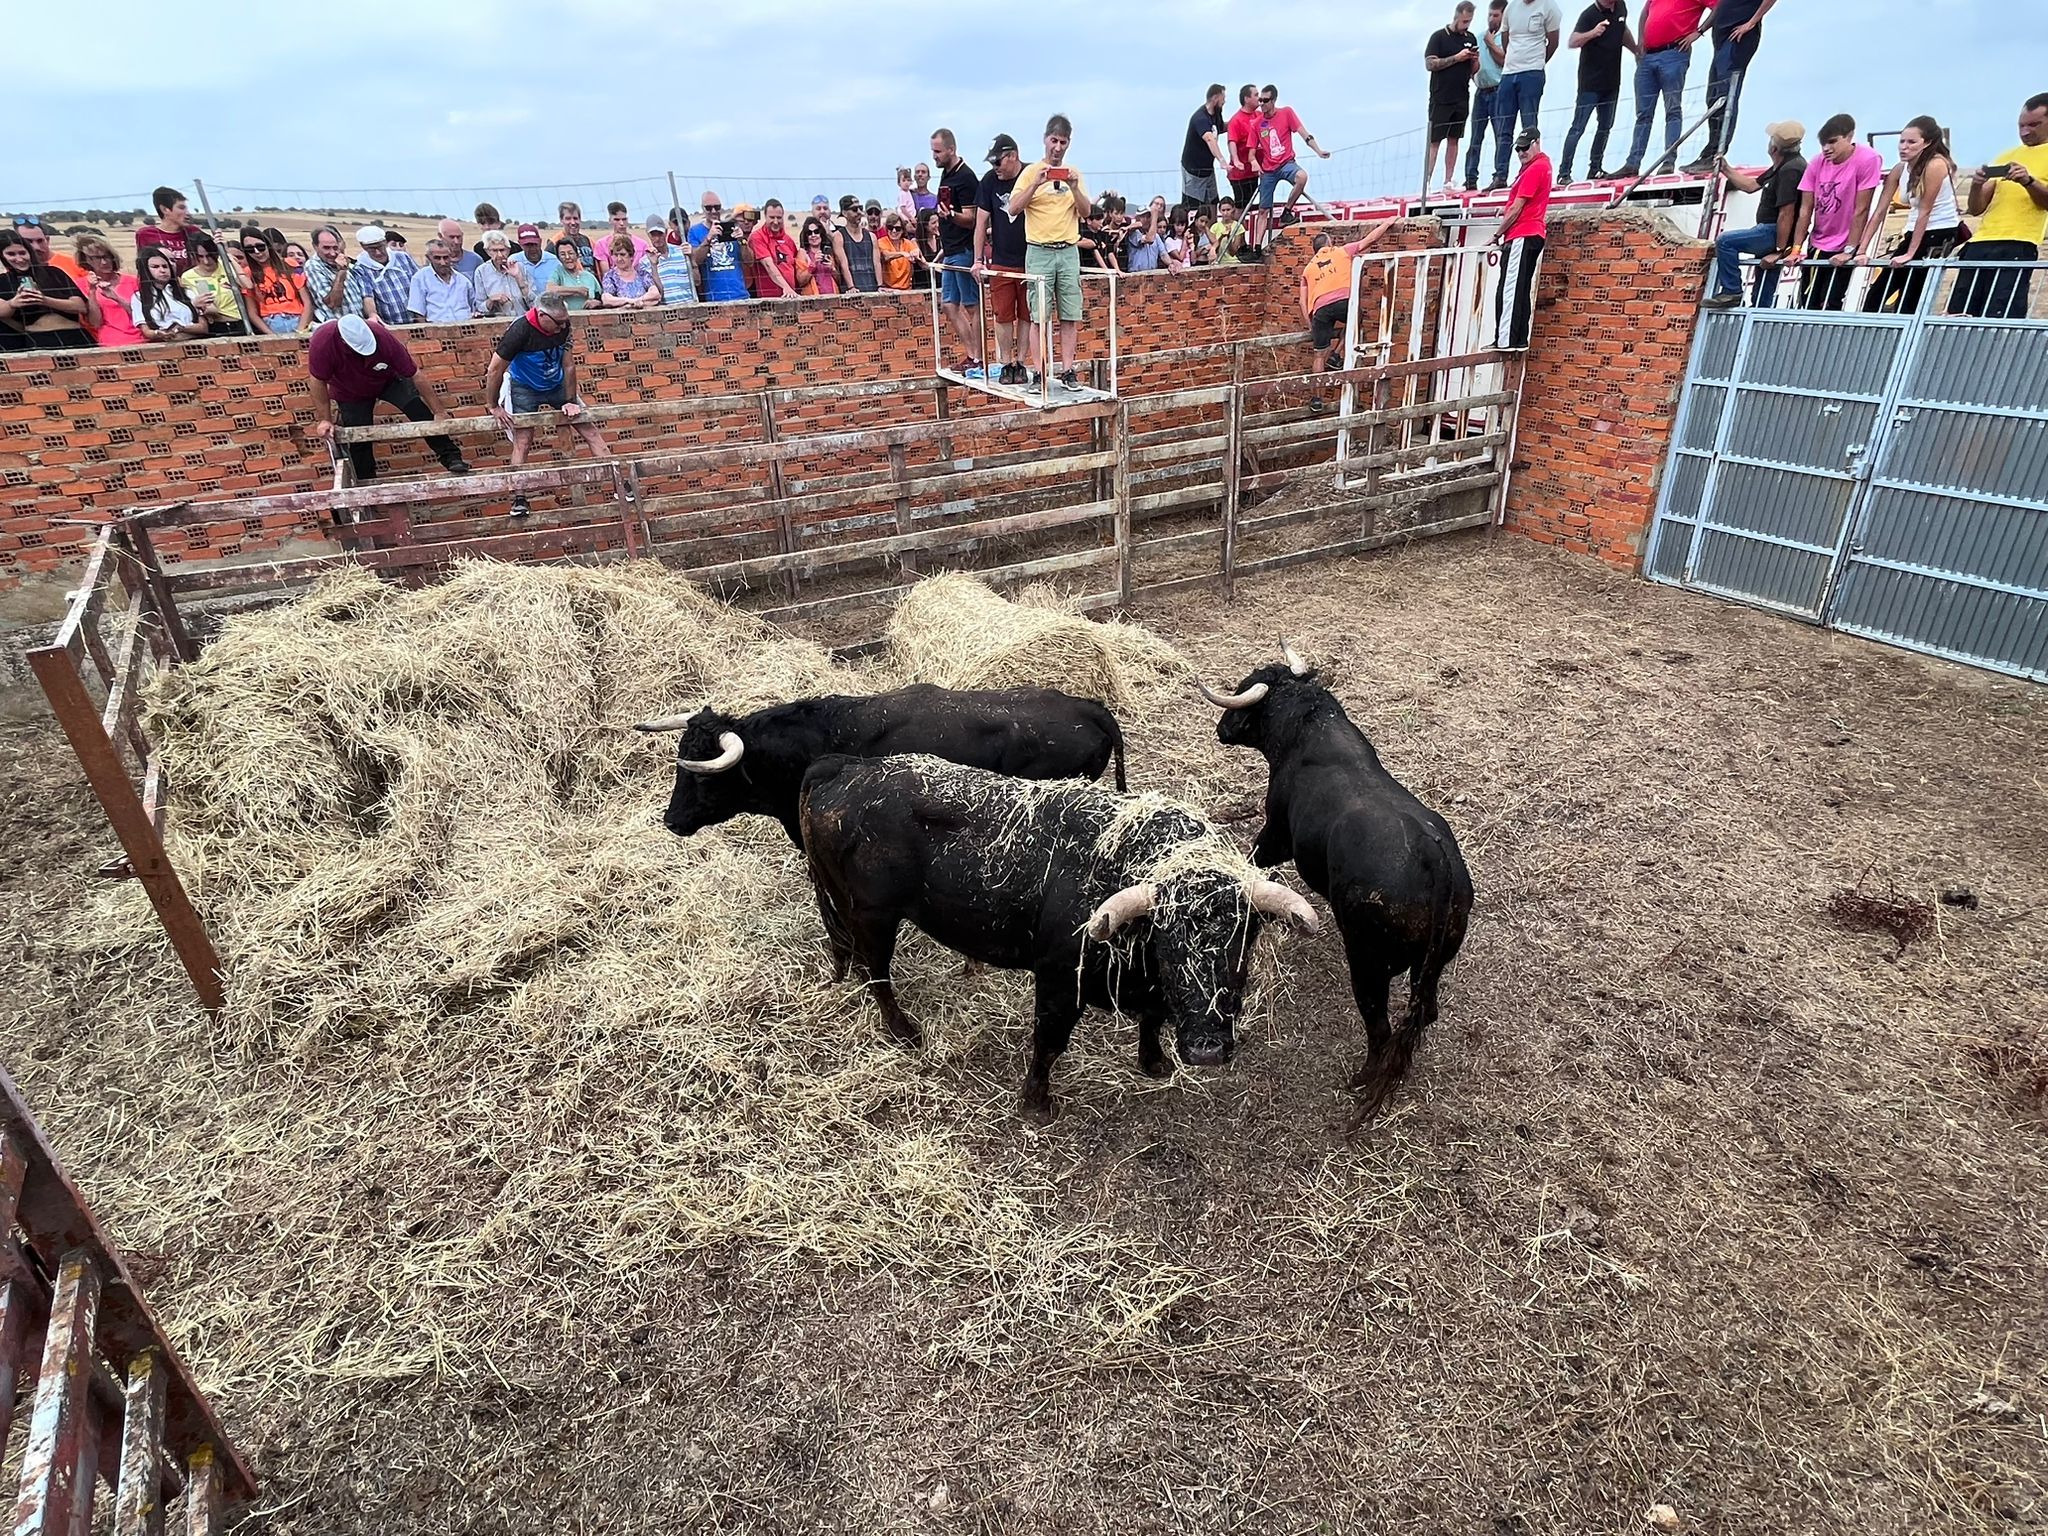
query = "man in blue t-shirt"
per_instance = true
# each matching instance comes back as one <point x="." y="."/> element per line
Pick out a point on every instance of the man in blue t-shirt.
<point x="531" y="369"/>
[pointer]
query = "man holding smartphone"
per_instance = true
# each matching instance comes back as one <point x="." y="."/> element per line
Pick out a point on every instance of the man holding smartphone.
<point x="1053" y="200"/>
<point x="2010" y="200"/>
<point x="1452" y="58"/>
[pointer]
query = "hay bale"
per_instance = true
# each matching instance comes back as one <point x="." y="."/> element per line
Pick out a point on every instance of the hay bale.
<point x="955" y="631"/>
<point x="559" y="1048"/>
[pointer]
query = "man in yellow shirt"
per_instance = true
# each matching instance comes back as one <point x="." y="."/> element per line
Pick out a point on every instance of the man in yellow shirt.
<point x="2010" y="199"/>
<point x="1052" y="199"/>
<point x="1326" y="297"/>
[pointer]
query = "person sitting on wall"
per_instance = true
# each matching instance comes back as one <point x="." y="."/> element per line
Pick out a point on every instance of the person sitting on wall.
<point x="532" y="368"/>
<point x="277" y="294"/>
<point x="211" y="288"/>
<point x="1326" y="297"/>
<point x="629" y="281"/>
<point x="380" y="280"/>
<point x="356" y="362"/>
<point x="1769" y="239"/>
<point x="110" y="290"/>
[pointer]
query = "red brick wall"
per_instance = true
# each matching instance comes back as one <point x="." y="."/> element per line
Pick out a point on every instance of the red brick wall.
<point x="1614" y="319"/>
<point x="85" y="435"/>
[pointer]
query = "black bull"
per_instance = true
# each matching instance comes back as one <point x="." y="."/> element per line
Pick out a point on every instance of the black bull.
<point x="1055" y="879"/>
<point x="727" y="767"/>
<point x="1386" y="863"/>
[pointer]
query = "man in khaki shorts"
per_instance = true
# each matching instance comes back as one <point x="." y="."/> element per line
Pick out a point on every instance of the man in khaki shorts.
<point x="1053" y="200"/>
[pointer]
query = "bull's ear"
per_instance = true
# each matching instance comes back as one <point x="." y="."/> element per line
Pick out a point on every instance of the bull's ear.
<point x="1272" y="899"/>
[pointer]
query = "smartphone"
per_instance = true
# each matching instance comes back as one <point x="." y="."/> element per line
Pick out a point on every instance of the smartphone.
<point x="1999" y="171"/>
<point x="1058" y="173"/>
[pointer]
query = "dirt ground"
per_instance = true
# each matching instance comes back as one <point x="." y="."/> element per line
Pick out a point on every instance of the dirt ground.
<point x="1694" y="1197"/>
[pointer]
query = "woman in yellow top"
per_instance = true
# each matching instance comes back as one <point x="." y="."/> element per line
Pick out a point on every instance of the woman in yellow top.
<point x="211" y="288"/>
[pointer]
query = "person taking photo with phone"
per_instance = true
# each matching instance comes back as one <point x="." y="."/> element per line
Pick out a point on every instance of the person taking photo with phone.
<point x="1052" y="199"/>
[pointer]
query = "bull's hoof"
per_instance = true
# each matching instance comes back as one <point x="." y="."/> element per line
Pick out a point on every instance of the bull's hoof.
<point x="1156" y="1066"/>
<point x="1364" y="1077"/>
<point x="1037" y="1106"/>
<point x="906" y="1034"/>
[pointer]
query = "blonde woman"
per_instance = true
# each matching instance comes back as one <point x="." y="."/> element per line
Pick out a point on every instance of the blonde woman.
<point x="110" y="289"/>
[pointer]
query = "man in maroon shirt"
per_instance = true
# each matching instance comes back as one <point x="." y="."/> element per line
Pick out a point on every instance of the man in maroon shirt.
<point x="355" y="363"/>
<point x="167" y="234"/>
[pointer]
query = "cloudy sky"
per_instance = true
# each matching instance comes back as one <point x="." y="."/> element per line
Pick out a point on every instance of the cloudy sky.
<point x="526" y="103"/>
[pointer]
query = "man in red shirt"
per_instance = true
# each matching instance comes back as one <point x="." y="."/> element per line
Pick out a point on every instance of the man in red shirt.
<point x="1521" y="242"/>
<point x="1242" y="147"/>
<point x="1669" y="30"/>
<point x="1277" y="127"/>
<point x="774" y="254"/>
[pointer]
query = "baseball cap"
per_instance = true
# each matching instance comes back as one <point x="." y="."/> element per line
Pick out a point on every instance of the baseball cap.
<point x="657" y="221"/>
<point x="1790" y="133"/>
<point x="1002" y="146"/>
<point x="1527" y="137"/>
<point x="369" y="234"/>
<point x="529" y="232"/>
<point x="821" y="201"/>
<point x="355" y="330"/>
<point x="745" y="211"/>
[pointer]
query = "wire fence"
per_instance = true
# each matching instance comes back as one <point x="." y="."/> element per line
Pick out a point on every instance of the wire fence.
<point x="1388" y="166"/>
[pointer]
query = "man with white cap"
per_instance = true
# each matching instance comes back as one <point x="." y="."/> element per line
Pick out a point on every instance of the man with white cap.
<point x="355" y="363"/>
<point x="380" y="282"/>
<point x="1777" y="211"/>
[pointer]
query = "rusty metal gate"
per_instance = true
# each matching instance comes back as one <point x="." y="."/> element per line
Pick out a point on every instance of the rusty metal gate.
<point x="1881" y="474"/>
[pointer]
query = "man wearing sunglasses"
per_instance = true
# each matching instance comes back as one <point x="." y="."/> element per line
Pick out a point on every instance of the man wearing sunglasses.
<point x="710" y="214"/>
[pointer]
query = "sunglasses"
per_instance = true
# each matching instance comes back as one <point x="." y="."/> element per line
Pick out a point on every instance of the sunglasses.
<point x="255" y="245"/>
<point x="27" y="221"/>
<point x="714" y="207"/>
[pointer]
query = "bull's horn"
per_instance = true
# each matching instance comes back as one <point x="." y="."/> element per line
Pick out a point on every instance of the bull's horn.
<point x="1244" y="700"/>
<point x="1133" y="901"/>
<point x="667" y="723"/>
<point x="1272" y="899"/>
<point x="1294" y="662"/>
<point x="731" y="749"/>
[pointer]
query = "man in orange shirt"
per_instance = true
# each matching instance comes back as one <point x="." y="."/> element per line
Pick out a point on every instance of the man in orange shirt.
<point x="32" y="230"/>
<point x="1326" y="297"/>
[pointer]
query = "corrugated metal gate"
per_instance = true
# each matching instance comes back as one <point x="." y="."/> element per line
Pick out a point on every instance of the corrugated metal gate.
<point x="1882" y="474"/>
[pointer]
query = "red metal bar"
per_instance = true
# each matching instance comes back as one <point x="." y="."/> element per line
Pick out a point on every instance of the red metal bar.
<point x="109" y="779"/>
<point x="138" y="1502"/>
<point x="58" y="1428"/>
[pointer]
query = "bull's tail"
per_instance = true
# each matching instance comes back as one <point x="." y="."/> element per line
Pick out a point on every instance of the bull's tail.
<point x="1391" y="1068"/>
<point x="1116" y="752"/>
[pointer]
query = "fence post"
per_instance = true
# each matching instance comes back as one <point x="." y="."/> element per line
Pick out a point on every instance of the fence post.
<point x="14" y="1290"/>
<point x="785" y="534"/>
<point x="101" y="760"/>
<point x="1375" y="445"/>
<point x="202" y="1493"/>
<point x="899" y="471"/>
<point x="1126" y="545"/>
<point x="61" y="1451"/>
<point x="139" y="1501"/>
<point x="1233" y="451"/>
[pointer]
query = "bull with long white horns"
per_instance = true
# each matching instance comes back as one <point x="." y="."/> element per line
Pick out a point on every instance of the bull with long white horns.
<point x="1109" y="902"/>
<point x="753" y="764"/>
<point x="1386" y="863"/>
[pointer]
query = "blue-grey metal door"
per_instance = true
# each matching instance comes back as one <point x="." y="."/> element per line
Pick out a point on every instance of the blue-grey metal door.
<point x="1887" y="475"/>
<point x="1950" y="550"/>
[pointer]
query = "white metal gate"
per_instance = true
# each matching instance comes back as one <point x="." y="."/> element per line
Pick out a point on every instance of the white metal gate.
<point x="1881" y="474"/>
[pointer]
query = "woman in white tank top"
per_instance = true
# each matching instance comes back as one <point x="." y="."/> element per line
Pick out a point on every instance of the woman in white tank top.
<point x="1936" y="224"/>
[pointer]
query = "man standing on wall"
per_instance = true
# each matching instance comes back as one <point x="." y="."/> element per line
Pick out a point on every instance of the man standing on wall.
<point x="1777" y="215"/>
<point x="1493" y="47"/>
<point x="1052" y="199"/>
<point x="1521" y="241"/>
<point x="1532" y="31"/>
<point x="1325" y="294"/>
<point x="1738" y="30"/>
<point x="1452" y="58"/>
<point x="1835" y="197"/>
<point x="1241" y="145"/>
<point x="354" y="363"/>
<point x="1277" y="127"/>
<point x="1601" y="36"/>
<point x="532" y="368"/>
<point x="2010" y="197"/>
<point x="1201" y="149"/>
<point x="1670" y="27"/>
<point x="959" y="289"/>
<point x="999" y="245"/>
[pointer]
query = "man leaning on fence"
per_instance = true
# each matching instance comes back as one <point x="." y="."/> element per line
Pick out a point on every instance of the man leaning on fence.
<point x="1769" y="239"/>
<point x="354" y="363"/>
<point x="2009" y="198"/>
<point x="533" y="368"/>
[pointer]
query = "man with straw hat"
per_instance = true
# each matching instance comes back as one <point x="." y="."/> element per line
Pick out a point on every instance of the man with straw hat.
<point x="1777" y="210"/>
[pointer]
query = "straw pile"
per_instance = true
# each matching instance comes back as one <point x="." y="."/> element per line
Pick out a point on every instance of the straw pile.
<point x="954" y="631"/>
<point x="537" y="1045"/>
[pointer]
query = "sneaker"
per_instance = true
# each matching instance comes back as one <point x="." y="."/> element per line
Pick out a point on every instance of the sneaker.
<point x="1701" y="167"/>
<point x="1564" y="177"/>
<point x="457" y="465"/>
<point x="1251" y="253"/>
<point x="1031" y="378"/>
<point x="1472" y="186"/>
<point x="1628" y="173"/>
<point x="1070" y="381"/>
<point x="1596" y="174"/>
<point x="1498" y="184"/>
<point x="520" y="506"/>
<point x="1721" y="301"/>
<point x="974" y="371"/>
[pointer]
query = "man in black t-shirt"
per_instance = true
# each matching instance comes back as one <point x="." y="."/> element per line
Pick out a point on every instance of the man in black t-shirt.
<point x="999" y="245"/>
<point x="1777" y="210"/>
<point x="1601" y="35"/>
<point x="1452" y="58"/>
<point x="1200" y="151"/>
<point x="959" y="292"/>
<point x="1738" y="30"/>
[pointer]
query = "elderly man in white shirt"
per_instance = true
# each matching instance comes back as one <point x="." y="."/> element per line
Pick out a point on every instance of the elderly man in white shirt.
<point x="440" y="295"/>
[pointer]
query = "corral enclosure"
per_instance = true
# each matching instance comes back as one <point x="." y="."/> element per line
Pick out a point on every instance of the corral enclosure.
<point x="1694" y="1197"/>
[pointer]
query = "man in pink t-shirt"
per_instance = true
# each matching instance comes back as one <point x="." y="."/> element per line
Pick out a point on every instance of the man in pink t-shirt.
<point x="1521" y="243"/>
<point x="1836" y="203"/>
<point x="1277" y="127"/>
